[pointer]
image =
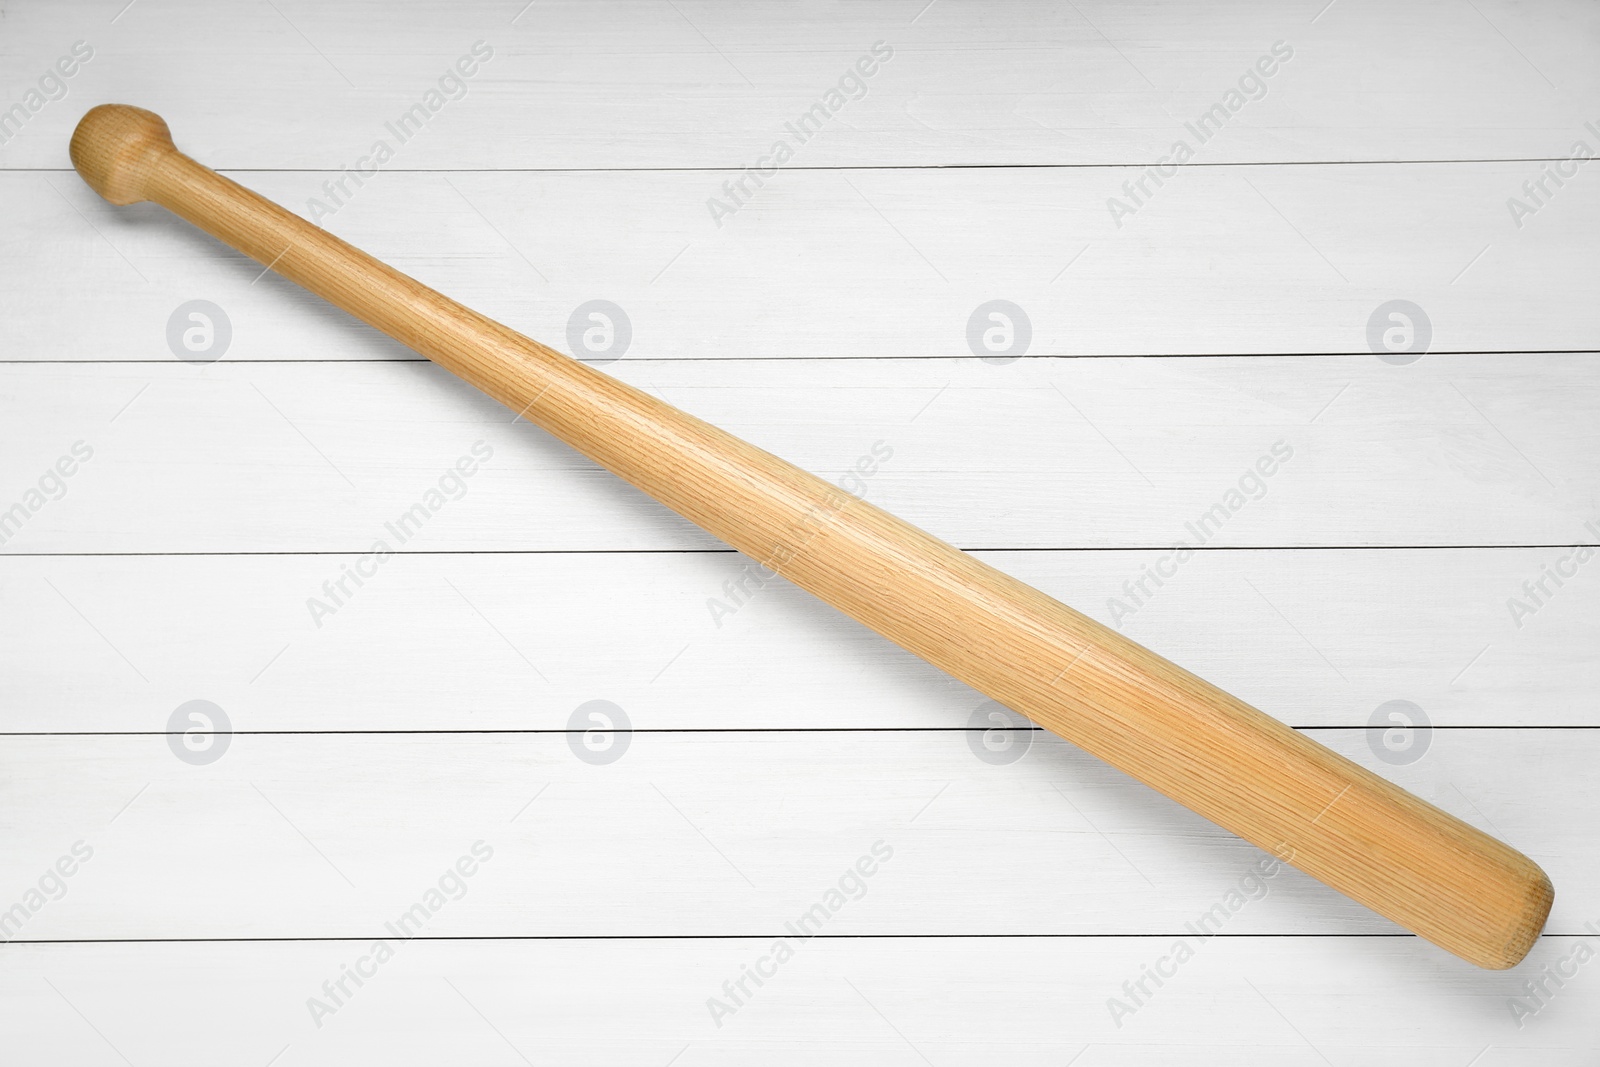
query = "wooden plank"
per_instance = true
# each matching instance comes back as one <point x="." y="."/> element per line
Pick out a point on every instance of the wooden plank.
<point x="968" y="1001"/>
<point x="328" y="835"/>
<point x="1037" y="454"/>
<point x="695" y="84"/>
<point x="1316" y="638"/>
<point x="1222" y="260"/>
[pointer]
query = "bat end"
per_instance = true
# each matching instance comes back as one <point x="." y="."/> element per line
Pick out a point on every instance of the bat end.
<point x="117" y="147"/>
<point x="1539" y="895"/>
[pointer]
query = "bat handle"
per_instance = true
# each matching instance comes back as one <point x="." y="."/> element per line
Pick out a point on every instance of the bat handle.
<point x="1244" y="770"/>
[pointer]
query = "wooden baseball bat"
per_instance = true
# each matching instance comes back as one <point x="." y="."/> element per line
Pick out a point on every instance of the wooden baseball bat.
<point x="1400" y="856"/>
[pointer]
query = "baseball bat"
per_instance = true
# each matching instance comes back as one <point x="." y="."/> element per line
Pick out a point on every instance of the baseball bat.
<point x="1402" y="857"/>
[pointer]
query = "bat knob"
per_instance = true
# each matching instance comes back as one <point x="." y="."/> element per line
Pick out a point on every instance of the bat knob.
<point x="117" y="147"/>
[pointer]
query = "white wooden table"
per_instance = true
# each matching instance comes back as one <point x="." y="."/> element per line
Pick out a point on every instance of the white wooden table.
<point x="364" y="756"/>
